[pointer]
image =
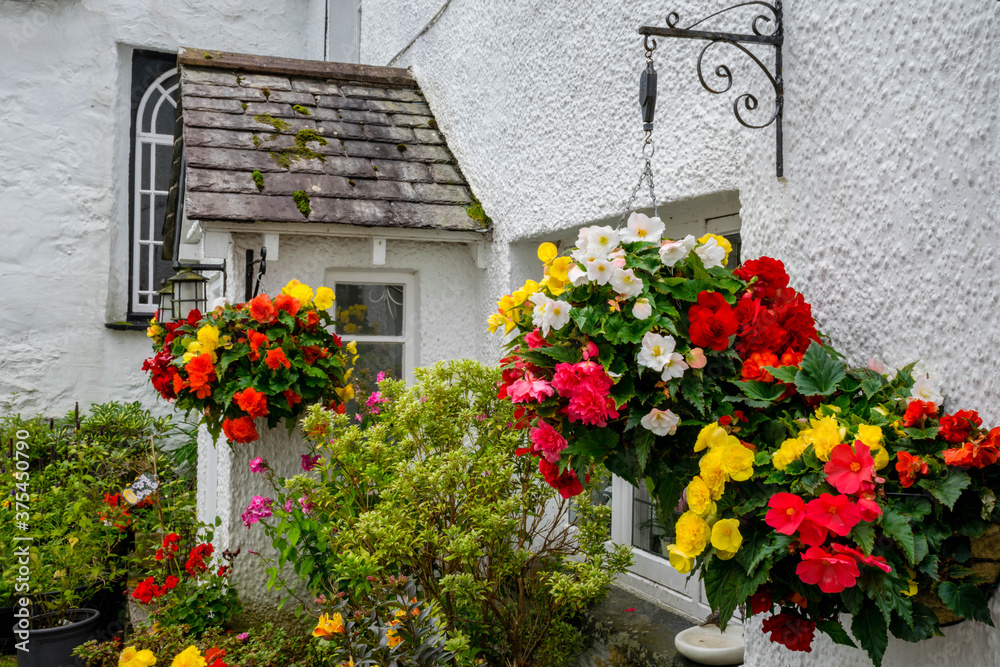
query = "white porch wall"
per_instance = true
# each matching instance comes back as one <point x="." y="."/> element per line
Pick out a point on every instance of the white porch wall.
<point x="64" y="148"/>
<point x="888" y="221"/>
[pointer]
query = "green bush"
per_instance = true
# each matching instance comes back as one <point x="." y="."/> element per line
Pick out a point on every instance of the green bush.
<point x="429" y="486"/>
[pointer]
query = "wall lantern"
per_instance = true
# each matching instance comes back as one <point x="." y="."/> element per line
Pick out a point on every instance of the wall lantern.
<point x="773" y="37"/>
<point x="187" y="293"/>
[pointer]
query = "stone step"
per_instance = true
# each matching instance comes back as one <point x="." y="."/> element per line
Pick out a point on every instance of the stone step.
<point x="628" y="631"/>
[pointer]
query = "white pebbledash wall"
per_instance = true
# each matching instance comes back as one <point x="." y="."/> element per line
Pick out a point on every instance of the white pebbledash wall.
<point x="64" y="150"/>
<point x="888" y="220"/>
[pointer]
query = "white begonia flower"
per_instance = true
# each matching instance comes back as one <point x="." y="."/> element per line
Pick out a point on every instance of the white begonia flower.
<point x="221" y="301"/>
<point x="642" y="228"/>
<point x="625" y="282"/>
<point x="674" y="368"/>
<point x="642" y="309"/>
<point x="656" y="351"/>
<point x="600" y="271"/>
<point x="549" y="314"/>
<point x="580" y="251"/>
<point x="924" y="389"/>
<point x="601" y="241"/>
<point x="577" y="276"/>
<point x="660" y="422"/>
<point x="672" y="252"/>
<point x="711" y="253"/>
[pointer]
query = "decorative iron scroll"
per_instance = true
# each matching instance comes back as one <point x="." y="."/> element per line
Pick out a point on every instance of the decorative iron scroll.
<point x="759" y="35"/>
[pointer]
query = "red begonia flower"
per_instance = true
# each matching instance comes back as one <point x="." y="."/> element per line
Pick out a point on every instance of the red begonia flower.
<point x="833" y="573"/>
<point x="786" y="513"/>
<point x="835" y="513"/>
<point x="848" y="468"/>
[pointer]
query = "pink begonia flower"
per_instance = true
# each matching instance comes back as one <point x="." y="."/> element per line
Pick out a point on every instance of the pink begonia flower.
<point x="590" y="350"/>
<point x="259" y="508"/>
<point x="696" y="358"/>
<point x="309" y="461"/>
<point x="258" y="465"/>
<point x="547" y="441"/>
<point x="536" y="340"/>
<point x="876" y="365"/>
<point x="530" y="388"/>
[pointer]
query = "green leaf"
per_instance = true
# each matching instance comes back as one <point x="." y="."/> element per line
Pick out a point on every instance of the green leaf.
<point x="594" y="443"/>
<point x="727" y="586"/>
<point x="682" y="288"/>
<point x="693" y="390"/>
<point x="925" y="625"/>
<point x="293" y="536"/>
<point x="784" y="373"/>
<point x="750" y="558"/>
<point x="643" y="444"/>
<point x="896" y="527"/>
<point x="871" y="631"/>
<point x="947" y="490"/>
<point x="761" y="391"/>
<point x="966" y="601"/>
<point x="836" y="632"/>
<point x="564" y="354"/>
<point x="820" y="373"/>
<point x="864" y="534"/>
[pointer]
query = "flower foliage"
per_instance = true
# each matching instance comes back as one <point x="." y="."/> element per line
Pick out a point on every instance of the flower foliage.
<point x="803" y="482"/>
<point x="264" y="358"/>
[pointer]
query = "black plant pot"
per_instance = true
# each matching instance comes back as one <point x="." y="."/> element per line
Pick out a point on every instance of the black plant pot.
<point x="53" y="647"/>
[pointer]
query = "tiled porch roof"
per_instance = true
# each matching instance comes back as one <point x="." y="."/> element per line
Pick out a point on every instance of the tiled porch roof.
<point x="359" y="142"/>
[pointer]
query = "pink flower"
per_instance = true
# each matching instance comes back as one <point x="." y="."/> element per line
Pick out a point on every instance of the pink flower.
<point x="848" y="468"/>
<point x="569" y="377"/>
<point x="695" y="358"/>
<point x="591" y="407"/>
<point x="786" y="513"/>
<point x="258" y="465"/>
<point x="307" y="506"/>
<point x="380" y="376"/>
<point x="536" y="340"/>
<point x="530" y="388"/>
<point x="832" y="572"/>
<point x="243" y="636"/>
<point x="547" y="441"/>
<point x="259" y="508"/>
<point x="590" y="350"/>
<point x="289" y="504"/>
<point x="309" y="461"/>
<point x="835" y="513"/>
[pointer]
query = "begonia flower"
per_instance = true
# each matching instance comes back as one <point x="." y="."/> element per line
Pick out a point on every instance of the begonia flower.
<point x="848" y="467"/>
<point x="832" y="572"/>
<point x="786" y="513"/>
<point x="642" y="228"/>
<point x="835" y="513"/>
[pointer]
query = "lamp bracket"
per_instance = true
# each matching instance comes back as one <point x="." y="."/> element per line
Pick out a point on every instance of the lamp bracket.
<point x="251" y="281"/>
<point x="771" y="14"/>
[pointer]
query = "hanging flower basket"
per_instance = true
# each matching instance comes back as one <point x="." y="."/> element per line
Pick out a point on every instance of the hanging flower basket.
<point x="810" y="485"/>
<point x="264" y="358"/>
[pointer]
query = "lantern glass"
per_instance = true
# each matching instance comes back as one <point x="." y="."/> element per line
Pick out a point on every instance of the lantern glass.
<point x="188" y="294"/>
<point x="164" y="309"/>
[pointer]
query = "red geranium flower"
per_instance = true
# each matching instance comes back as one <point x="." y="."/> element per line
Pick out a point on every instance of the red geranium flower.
<point x="916" y="411"/>
<point x="251" y="401"/>
<point x="958" y="427"/>
<point x="794" y="632"/>
<point x="848" y="468"/>
<point x="712" y="322"/>
<point x="786" y="514"/>
<point x="835" y="513"/>
<point x="241" y="429"/>
<point x="276" y="358"/>
<point x="832" y="572"/>
<point x="262" y="310"/>
<point x="171" y="582"/>
<point x="909" y="466"/>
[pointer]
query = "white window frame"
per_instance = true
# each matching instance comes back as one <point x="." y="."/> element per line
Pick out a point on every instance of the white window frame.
<point x="151" y="139"/>
<point x="409" y="337"/>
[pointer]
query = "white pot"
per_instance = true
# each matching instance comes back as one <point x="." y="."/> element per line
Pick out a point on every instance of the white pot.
<point x="710" y="646"/>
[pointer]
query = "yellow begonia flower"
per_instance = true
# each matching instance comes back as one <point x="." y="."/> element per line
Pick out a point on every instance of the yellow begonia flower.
<point x="737" y="460"/>
<point x="547" y="252"/>
<point x="559" y="269"/>
<point x="790" y="450"/>
<point x="726" y="535"/>
<point x="131" y="657"/>
<point x="301" y="292"/>
<point x="352" y="347"/>
<point x="699" y="497"/>
<point x="711" y="471"/>
<point x="327" y="626"/>
<point x="154" y="331"/>
<point x="208" y="336"/>
<point x="692" y="533"/>
<point x="872" y="436"/>
<point x="324" y="298"/>
<point x="824" y="435"/>
<point x="189" y="657"/>
<point x="554" y="285"/>
<point x="679" y="560"/>
<point x="710" y="437"/>
<point x="345" y="393"/>
<point x="721" y="241"/>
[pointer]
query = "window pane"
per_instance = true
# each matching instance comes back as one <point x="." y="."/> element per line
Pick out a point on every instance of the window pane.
<point x="734" y="257"/>
<point x="143" y="268"/>
<point x="648" y="533"/>
<point x="146" y="153"/>
<point x="164" y="116"/>
<point x="144" y="227"/>
<point x="375" y="358"/>
<point x="146" y="122"/>
<point x="369" y="310"/>
<point x="164" y="155"/>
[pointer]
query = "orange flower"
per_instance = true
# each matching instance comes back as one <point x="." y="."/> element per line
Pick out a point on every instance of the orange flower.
<point x="256" y="340"/>
<point x="292" y="398"/>
<point x="241" y="429"/>
<point x="289" y="304"/>
<point x="200" y="373"/>
<point x="276" y="358"/>
<point x="251" y="401"/>
<point x="262" y="310"/>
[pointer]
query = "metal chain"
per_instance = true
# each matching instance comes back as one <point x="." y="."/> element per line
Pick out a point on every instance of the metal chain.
<point x="646" y="175"/>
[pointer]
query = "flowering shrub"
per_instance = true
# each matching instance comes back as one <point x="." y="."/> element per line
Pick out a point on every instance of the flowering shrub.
<point x="188" y="587"/>
<point x="807" y="484"/>
<point x="264" y="358"/>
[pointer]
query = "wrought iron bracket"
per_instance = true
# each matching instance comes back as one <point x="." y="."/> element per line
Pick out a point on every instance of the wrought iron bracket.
<point x="252" y="278"/>
<point x="775" y="38"/>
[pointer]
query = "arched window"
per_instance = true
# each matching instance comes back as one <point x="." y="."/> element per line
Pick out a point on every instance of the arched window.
<point x="152" y="153"/>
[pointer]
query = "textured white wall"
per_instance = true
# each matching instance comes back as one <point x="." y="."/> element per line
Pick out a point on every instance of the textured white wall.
<point x="888" y="220"/>
<point x="64" y="100"/>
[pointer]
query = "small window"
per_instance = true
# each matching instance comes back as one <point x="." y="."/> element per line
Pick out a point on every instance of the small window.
<point x="155" y="91"/>
<point x="378" y="315"/>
